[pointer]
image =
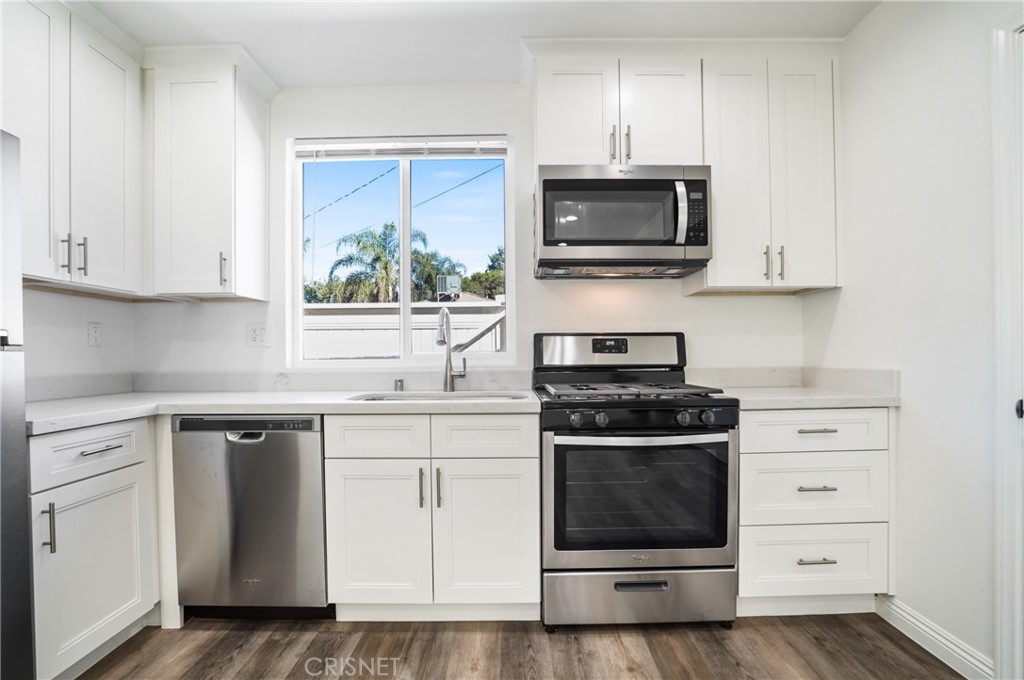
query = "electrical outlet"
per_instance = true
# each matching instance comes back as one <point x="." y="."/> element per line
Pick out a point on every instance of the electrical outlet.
<point x="256" y="335"/>
<point x="94" y="334"/>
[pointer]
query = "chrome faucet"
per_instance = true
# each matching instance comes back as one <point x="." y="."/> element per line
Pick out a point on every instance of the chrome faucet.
<point x="444" y="339"/>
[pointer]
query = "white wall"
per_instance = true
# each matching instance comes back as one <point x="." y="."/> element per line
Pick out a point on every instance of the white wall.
<point x="918" y="230"/>
<point x="724" y="332"/>
<point x="58" y="360"/>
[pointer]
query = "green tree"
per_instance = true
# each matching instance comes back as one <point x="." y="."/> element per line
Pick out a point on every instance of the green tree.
<point x="488" y="284"/>
<point x="496" y="260"/>
<point x="374" y="258"/>
<point x="426" y="266"/>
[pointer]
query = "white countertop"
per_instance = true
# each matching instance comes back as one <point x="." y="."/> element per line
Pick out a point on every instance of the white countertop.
<point x="768" y="398"/>
<point x="66" y="414"/>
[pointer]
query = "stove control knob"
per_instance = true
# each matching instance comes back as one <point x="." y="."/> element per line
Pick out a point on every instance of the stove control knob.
<point x="683" y="418"/>
<point x="601" y="419"/>
<point x="575" y="419"/>
<point x="707" y="417"/>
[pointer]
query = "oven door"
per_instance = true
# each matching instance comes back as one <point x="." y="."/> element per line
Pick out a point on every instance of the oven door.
<point x="616" y="501"/>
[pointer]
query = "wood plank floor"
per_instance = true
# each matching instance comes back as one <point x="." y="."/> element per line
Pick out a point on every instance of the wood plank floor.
<point x="852" y="646"/>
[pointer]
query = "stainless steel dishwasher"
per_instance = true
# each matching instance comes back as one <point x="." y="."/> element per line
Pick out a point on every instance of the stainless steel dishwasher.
<point x="249" y="510"/>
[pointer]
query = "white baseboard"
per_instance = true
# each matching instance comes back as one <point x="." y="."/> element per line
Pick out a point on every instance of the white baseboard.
<point x="805" y="605"/>
<point x="437" y="612"/>
<point x="954" y="652"/>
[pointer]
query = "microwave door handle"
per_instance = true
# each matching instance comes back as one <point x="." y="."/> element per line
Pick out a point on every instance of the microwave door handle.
<point x="571" y="440"/>
<point x="682" y="212"/>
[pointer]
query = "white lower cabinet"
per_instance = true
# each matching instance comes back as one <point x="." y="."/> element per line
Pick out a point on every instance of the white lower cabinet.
<point x="486" y="537"/>
<point x="814" y="503"/>
<point x="378" y="531"/>
<point x="92" y="563"/>
<point x="432" y="531"/>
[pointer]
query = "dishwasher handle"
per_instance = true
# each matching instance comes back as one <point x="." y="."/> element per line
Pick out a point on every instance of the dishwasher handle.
<point x="245" y="437"/>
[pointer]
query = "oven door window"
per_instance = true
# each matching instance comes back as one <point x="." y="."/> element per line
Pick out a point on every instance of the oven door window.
<point x="610" y="212"/>
<point x="632" y="497"/>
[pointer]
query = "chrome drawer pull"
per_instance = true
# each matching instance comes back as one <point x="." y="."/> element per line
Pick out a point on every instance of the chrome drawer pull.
<point x="112" y="447"/>
<point x="52" y="512"/>
<point x="820" y="430"/>
<point x="804" y="489"/>
<point x="823" y="560"/>
<point x="421" y="488"/>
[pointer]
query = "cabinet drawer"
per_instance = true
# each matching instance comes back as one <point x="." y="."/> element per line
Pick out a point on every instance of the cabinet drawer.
<point x="485" y="436"/>
<point x="846" y="429"/>
<point x="377" y="436"/>
<point x="64" y="457"/>
<point x="814" y="488"/>
<point x="822" y="559"/>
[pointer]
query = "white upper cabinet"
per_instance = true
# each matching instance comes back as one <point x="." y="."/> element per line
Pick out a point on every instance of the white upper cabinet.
<point x="768" y="137"/>
<point x="604" y="110"/>
<point x="210" y="129"/>
<point x="35" y="44"/>
<point x="660" y="111"/>
<point x="577" y="111"/>
<point x="802" y="171"/>
<point x="105" y="162"/>
<point x="736" y="148"/>
<point x="81" y="219"/>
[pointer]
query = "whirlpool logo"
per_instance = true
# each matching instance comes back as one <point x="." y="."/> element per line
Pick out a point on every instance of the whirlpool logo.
<point x="626" y="171"/>
<point x="641" y="557"/>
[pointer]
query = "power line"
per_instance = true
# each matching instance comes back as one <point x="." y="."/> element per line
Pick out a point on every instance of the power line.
<point x="341" y="198"/>
<point x="427" y="200"/>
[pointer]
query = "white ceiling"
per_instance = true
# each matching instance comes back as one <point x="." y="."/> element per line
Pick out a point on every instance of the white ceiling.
<point x="307" y="44"/>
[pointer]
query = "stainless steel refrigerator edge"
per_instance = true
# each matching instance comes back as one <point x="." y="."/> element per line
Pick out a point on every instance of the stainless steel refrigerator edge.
<point x="16" y="656"/>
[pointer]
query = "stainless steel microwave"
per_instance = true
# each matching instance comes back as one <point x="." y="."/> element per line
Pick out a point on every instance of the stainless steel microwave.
<point x="626" y="221"/>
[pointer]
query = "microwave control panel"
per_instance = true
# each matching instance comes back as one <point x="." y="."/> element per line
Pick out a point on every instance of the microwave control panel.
<point x="697" y="212"/>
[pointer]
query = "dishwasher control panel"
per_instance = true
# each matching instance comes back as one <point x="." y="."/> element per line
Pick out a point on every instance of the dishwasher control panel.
<point x="245" y="424"/>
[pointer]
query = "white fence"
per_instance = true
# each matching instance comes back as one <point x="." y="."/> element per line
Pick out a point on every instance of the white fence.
<point x="367" y="330"/>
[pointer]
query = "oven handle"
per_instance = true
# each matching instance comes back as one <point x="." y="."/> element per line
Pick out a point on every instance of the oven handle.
<point x="643" y="441"/>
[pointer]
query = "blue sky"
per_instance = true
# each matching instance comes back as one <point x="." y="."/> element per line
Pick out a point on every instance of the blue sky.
<point x="467" y="223"/>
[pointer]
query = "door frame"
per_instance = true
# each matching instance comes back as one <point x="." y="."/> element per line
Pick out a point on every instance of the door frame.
<point x="1008" y="175"/>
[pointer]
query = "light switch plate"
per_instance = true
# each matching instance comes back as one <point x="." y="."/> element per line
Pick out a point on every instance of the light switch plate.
<point x="94" y="334"/>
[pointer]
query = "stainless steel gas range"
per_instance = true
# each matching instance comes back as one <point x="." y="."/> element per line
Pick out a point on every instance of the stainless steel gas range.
<point x="639" y="483"/>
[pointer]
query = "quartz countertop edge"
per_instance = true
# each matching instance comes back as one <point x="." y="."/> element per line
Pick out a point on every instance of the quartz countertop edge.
<point x="771" y="398"/>
<point x="44" y="417"/>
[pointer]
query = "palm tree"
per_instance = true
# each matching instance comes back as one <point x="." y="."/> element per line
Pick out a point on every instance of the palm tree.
<point x="374" y="257"/>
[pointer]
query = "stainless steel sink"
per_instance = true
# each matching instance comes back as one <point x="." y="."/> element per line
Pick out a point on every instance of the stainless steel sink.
<point x="439" y="396"/>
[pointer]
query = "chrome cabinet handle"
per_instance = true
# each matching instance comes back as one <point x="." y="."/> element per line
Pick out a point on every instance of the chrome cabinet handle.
<point x="51" y="510"/>
<point x="782" y="262"/>
<point x="438" y="487"/>
<point x="805" y="489"/>
<point x="112" y="447"/>
<point x="84" y="245"/>
<point x="629" y="142"/>
<point x="222" y="263"/>
<point x="823" y="560"/>
<point x="614" y="137"/>
<point x="767" y="262"/>
<point x="820" y="430"/>
<point x="70" y="245"/>
<point x="422" y="499"/>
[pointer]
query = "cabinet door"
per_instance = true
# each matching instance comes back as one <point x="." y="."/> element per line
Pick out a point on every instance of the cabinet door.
<point x="486" y="530"/>
<point x="193" y="194"/>
<point x="661" y="113"/>
<point x="98" y="578"/>
<point x="378" y="531"/>
<point x="578" y="111"/>
<point x="736" y="148"/>
<point x="802" y="172"/>
<point x="106" y="161"/>
<point x="34" y="80"/>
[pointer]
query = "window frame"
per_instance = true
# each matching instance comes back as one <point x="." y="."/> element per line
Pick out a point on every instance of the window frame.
<point x="407" y="358"/>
